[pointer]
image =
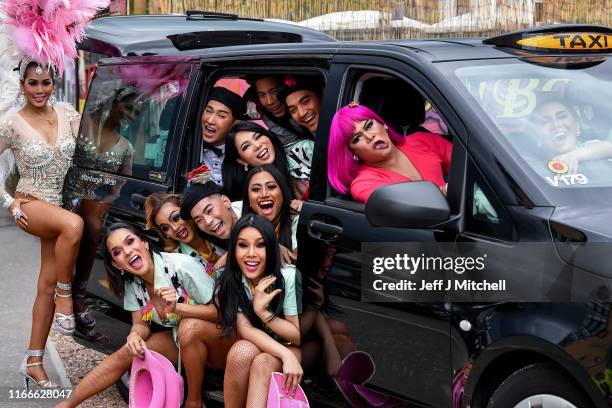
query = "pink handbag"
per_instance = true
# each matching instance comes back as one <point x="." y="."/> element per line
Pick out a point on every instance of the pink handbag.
<point x="154" y="383"/>
<point x="278" y="398"/>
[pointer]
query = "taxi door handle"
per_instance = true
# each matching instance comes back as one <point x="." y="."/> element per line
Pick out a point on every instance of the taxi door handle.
<point x="138" y="198"/>
<point x="324" y="231"/>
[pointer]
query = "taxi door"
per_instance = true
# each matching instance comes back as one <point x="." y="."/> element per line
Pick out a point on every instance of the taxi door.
<point x="409" y="343"/>
<point x="127" y="148"/>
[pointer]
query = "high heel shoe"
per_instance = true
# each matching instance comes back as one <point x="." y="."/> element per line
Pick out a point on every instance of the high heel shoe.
<point x="64" y="324"/>
<point x="23" y="369"/>
<point x="83" y="319"/>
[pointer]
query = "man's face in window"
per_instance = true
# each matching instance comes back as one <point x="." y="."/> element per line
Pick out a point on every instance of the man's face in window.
<point x="304" y="107"/>
<point x="267" y="88"/>
<point x="217" y="119"/>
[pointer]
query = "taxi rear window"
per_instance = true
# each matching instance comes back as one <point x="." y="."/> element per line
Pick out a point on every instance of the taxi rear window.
<point x="554" y="111"/>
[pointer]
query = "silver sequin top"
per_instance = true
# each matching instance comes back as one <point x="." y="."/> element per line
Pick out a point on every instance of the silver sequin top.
<point x="116" y="160"/>
<point x="42" y="167"/>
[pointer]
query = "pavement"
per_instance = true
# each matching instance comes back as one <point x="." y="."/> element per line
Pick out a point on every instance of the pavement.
<point x="19" y="267"/>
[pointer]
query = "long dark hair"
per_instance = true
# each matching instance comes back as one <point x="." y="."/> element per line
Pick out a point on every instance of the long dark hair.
<point x="232" y="296"/>
<point x="233" y="172"/>
<point x="114" y="277"/>
<point x="284" y="231"/>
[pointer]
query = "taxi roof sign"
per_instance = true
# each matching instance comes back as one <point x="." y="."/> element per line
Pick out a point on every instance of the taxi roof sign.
<point x="558" y="39"/>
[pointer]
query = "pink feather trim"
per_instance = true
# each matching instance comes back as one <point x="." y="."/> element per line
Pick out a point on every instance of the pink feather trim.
<point x="48" y="30"/>
<point x="149" y="78"/>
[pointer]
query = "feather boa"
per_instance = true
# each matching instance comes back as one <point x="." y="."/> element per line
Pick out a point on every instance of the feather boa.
<point x="9" y="79"/>
<point x="150" y="78"/>
<point x="48" y="30"/>
<point x="9" y="88"/>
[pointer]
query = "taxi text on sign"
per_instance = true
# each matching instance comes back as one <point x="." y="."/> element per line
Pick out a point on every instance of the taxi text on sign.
<point x="569" y="41"/>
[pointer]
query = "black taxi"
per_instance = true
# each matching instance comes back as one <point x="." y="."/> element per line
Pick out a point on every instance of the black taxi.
<point x="543" y="218"/>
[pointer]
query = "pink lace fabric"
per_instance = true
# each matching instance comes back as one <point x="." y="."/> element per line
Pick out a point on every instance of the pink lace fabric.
<point x="42" y="167"/>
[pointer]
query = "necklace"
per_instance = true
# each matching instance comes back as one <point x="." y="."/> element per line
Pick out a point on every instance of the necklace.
<point x="47" y="116"/>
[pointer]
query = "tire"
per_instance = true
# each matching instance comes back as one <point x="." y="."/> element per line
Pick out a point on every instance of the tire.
<point x="540" y="385"/>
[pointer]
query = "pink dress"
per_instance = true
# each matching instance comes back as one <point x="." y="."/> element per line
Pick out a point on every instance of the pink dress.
<point x="429" y="153"/>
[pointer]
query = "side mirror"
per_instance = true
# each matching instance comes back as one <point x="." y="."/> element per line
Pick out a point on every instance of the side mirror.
<point x="413" y="204"/>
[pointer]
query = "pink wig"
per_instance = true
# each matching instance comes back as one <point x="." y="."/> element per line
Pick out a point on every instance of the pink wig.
<point x="341" y="166"/>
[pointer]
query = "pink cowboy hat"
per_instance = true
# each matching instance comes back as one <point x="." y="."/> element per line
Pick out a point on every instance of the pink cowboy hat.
<point x="154" y="383"/>
<point x="356" y="370"/>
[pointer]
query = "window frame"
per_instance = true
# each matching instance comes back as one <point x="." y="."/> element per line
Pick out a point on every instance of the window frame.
<point x="350" y="80"/>
<point x="174" y="132"/>
<point x="506" y="230"/>
<point x="209" y="74"/>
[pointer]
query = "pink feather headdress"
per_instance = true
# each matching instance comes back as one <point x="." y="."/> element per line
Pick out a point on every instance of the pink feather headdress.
<point x="46" y="31"/>
<point x="149" y="78"/>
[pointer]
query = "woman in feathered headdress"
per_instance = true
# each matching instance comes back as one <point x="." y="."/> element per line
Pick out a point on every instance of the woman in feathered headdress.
<point x="41" y="135"/>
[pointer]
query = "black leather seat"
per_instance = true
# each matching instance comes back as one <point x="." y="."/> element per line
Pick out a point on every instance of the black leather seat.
<point x="397" y="102"/>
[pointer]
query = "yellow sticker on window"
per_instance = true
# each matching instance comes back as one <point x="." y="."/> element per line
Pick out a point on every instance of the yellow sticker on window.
<point x="569" y="41"/>
<point x="558" y="167"/>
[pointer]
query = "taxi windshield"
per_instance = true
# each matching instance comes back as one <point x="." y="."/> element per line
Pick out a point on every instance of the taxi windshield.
<point x="555" y="112"/>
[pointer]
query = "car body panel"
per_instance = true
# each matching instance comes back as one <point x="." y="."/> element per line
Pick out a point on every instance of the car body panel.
<point x="151" y="34"/>
<point x="420" y="349"/>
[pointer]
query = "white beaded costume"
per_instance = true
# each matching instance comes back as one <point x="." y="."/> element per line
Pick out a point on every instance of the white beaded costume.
<point x="41" y="167"/>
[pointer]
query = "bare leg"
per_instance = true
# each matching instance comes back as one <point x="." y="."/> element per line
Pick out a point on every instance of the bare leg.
<point x="110" y="370"/>
<point x="330" y="350"/>
<point x="342" y="337"/>
<point x="52" y="222"/>
<point x="259" y="378"/>
<point x="311" y="354"/>
<point x="201" y="343"/>
<point x="331" y="343"/>
<point x="93" y="213"/>
<point x="42" y="311"/>
<point x="236" y="379"/>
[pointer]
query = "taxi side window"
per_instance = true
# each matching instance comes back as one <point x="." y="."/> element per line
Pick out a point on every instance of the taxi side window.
<point x="401" y="105"/>
<point x="398" y="103"/>
<point x="127" y="123"/>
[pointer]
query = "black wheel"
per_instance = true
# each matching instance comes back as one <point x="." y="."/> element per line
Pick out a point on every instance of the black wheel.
<point x="540" y="385"/>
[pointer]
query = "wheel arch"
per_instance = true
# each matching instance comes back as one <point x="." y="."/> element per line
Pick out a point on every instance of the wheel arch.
<point x="502" y="358"/>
